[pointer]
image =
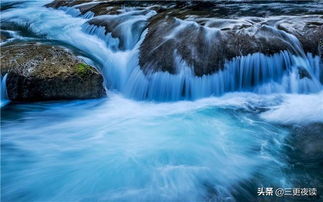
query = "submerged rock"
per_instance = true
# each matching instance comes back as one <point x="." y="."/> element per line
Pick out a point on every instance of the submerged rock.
<point x="307" y="142"/>
<point x="43" y="72"/>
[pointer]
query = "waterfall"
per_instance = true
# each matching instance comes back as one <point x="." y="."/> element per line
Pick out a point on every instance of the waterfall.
<point x="4" y="96"/>
<point x="124" y="31"/>
<point x="279" y="73"/>
<point x="113" y="41"/>
<point x="76" y="12"/>
<point x="284" y="72"/>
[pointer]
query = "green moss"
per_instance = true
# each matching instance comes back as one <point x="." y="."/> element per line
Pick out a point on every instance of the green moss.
<point x="82" y="69"/>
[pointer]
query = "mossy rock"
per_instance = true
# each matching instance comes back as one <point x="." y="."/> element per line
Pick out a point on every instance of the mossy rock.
<point x="83" y="69"/>
<point x="43" y="72"/>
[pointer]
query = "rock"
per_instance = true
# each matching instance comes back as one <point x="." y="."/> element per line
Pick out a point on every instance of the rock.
<point x="320" y="48"/>
<point x="206" y="44"/>
<point x="43" y="72"/>
<point x="303" y="73"/>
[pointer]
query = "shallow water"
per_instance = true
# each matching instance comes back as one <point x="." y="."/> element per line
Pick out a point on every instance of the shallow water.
<point x="161" y="147"/>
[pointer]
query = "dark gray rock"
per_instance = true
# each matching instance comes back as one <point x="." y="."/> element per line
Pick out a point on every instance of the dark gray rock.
<point x="42" y="72"/>
<point x="205" y="44"/>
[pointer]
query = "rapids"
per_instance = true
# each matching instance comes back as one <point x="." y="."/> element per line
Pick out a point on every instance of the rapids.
<point x="158" y="136"/>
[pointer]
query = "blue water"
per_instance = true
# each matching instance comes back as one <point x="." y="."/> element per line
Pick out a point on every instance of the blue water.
<point x="118" y="149"/>
<point x="147" y="140"/>
<point x="121" y="150"/>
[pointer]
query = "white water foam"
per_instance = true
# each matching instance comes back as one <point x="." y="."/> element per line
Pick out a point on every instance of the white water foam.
<point x="297" y="109"/>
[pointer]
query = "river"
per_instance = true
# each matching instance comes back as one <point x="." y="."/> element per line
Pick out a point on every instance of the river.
<point x="160" y="137"/>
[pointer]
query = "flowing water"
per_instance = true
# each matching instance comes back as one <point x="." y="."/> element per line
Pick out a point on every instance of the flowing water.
<point x="4" y="97"/>
<point x="159" y="136"/>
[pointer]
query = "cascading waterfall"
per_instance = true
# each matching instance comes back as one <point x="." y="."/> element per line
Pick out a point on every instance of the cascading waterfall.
<point x="259" y="73"/>
<point x="76" y="12"/>
<point x="280" y="73"/>
<point x="118" y="56"/>
<point x="4" y="96"/>
<point x="127" y="26"/>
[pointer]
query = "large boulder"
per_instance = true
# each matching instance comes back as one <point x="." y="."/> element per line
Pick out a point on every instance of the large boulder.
<point x="42" y="72"/>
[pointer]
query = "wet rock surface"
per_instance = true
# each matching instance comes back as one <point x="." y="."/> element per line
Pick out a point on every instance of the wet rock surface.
<point x="205" y="44"/>
<point x="205" y="34"/>
<point x="42" y="72"/>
